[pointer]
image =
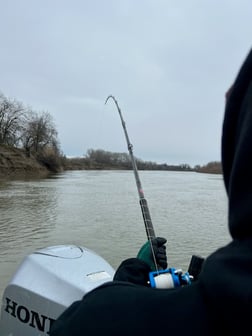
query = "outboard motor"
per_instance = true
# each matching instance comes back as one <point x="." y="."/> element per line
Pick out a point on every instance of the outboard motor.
<point x="45" y="284"/>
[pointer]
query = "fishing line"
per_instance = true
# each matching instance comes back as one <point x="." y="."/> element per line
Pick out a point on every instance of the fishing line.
<point x="142" y="200"/>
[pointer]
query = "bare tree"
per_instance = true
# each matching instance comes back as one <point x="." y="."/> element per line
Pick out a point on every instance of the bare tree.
<point x="12" y="119"/>
<point x="39" y="133"/>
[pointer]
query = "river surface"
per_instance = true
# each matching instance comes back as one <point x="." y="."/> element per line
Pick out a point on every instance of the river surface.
<point x="100" y="210"/>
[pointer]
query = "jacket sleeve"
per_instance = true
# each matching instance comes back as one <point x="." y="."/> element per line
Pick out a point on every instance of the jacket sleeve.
<point x="133" y="270"/>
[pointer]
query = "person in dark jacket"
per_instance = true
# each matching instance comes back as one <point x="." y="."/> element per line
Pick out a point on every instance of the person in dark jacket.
<point x="220" y="301"/>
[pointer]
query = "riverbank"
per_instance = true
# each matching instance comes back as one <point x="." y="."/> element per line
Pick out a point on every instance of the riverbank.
<point x="15" y="163"/>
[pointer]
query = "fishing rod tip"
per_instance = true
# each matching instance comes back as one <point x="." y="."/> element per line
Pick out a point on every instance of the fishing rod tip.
<point x="110" y="96"/>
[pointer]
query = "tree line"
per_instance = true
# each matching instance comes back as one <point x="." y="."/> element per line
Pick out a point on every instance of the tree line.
<point x="101" y="159"/>
<point x="33" y="131"/>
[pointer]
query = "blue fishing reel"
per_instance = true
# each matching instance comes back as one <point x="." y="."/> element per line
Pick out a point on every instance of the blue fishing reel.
<point x="169" y="278"/>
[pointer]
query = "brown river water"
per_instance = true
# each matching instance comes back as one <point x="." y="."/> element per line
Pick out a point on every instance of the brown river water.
<point x="100" y="210"/>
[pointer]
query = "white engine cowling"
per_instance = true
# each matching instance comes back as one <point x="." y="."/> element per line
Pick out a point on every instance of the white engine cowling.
<point x="45" y="284"/>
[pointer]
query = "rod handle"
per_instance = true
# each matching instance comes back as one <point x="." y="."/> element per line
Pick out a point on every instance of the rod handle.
<point x="147" y="219"/>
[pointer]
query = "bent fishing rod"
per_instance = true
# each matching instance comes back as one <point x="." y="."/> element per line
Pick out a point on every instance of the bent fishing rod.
<point x="142" y="200"/>
<point x="168" y="278"/>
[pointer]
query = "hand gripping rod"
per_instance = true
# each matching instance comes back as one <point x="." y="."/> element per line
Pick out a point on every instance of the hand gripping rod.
<point x="143" y="202"/>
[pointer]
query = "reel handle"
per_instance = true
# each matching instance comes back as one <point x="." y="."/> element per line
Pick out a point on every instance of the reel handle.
<point x="195" y="266"/>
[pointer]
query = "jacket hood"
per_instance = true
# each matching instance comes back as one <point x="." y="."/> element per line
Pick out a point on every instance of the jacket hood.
<point x="237" y="152"/>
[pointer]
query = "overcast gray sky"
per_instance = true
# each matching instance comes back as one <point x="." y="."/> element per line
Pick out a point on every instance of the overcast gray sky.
<point x="168" y="63"/>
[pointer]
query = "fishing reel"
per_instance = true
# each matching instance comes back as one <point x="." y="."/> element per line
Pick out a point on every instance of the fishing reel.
<point x="174" y="278"/>
<point x="169" y="278"/>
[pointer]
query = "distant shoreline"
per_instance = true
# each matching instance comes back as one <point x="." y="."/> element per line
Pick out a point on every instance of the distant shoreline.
<point x="15" y="163"/>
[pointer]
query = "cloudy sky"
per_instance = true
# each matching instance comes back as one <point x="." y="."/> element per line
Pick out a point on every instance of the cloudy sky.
<point x="168" y="64"/>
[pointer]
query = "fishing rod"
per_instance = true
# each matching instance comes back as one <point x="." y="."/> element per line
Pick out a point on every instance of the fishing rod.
<point x="168" y="278"/>
<point x="142" y="200"/>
